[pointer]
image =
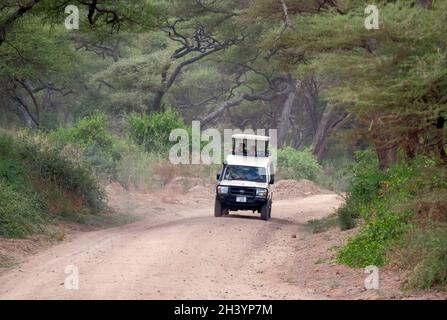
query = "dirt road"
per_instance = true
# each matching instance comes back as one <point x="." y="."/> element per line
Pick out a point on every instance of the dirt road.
<point x="178" y="252"/>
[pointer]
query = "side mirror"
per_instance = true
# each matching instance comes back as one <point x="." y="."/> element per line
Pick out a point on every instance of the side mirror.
<point x="272" y="179"/>
<point x="218" y="176"/>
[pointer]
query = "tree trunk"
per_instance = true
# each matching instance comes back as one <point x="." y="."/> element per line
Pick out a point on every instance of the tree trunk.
<point x="330" y="122"/>
<point x="156" y="107"/>
<point x="284" y="120"/>
<point x="440" y="127"/>
<point x="411" y="145"/>
<point x="426" y="3"/>
<point x="386" y="151"/>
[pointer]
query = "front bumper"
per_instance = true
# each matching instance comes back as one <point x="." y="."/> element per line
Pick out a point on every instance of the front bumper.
<point x="229" y="201"/>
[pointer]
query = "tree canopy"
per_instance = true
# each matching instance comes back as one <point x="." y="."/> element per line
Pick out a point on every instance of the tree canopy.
<point x="308" y="68"/>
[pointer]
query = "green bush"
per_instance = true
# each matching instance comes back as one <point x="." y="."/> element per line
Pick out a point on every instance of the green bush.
<point x="375" y="240"/>
<point x="378" y="199"/>
<point x="295" y="164"/>
<point x="363" y="188"/>
<point x="41" y="158"/>
<point x="347" y="216"/>
<point x="152" y="131"/>
<point x="91" y="130"/>
<point x="31" y="171"/>
<point x="425" y="253"/>
<point x="366" y="178"/>
<point x="97" y="144"/>
<point x="111" y="157"/>
<point x="404" y="215"/>
<point x="21" y="214"/>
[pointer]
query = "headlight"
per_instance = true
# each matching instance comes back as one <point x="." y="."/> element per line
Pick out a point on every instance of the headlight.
<point x="261" y="193"/>
<point x="222" y="190"/>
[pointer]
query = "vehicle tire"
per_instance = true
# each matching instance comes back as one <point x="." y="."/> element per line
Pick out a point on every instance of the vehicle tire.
<point x="218" y="208"/>
<point x="265" y="211"/>
<point x="270" y="209"/>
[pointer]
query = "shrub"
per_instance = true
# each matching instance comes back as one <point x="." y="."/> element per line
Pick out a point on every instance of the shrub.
<point x="363" y="188"/>
<point x="21" y="214"/>
<point x="129" y="161"/>
<point x="425" y="253"/>
<point x="379" y="199"/>
<point x="295" y="164"/>
<point x="366" y="178"/>
<point x="152" y="131"/>
<point x="29" y="159"/>
<point x="375" y="240"/>
<point x="21" y="210"/>
<point x="346" y="216"/>
<point x="91" y="130"/>
<point x="93" y="138"/>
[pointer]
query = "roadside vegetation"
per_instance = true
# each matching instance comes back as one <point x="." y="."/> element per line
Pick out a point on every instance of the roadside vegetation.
<point x="35" y="180"/>
<point x="402" y="217"/>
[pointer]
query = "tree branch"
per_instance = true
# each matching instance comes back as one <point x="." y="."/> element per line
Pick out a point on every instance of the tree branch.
<point x="22" y="10"/>
<point x="233" y="103"/>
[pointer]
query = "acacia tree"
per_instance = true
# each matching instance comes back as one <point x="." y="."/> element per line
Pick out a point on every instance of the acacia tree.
<point x="113" y="14"/>
<point x="392" y="80"/>
<point x="220" y="40"/>
<point x="39" y="66"/>
<point x="261" y="71"/>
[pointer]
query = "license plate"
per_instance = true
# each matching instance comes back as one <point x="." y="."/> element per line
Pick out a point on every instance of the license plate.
<point x="241" y="199"/>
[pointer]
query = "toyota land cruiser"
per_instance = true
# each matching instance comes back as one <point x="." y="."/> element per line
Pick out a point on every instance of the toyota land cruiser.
<point x="246" y="178"/>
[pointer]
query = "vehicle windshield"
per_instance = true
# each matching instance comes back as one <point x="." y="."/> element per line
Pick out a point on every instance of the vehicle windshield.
<point x="245" y="173"/>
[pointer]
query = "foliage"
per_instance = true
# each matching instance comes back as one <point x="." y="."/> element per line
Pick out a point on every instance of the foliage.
<point x="152" y="131"/>
<point x="372" y="245"/>
<point x="322" y="225"/>
<point x="36" y="179"/>
<point x="71" y="177"/>
<point x="294" y="164"/>
<point x="91" y="130"/>
<point x="347" y="216"/>
<point x="21" y="214"/>
<point x="390" y="78"/>
<point x="363" y="187"/>
<point x="425" y="254"/>
<point x="92" y="137"/>
<point x="381" y="200"/>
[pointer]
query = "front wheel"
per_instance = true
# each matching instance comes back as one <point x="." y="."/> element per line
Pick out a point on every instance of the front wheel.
<point x="266" y="211"/>
<point x="270" y="209"/>
<point x="218" y="208"/>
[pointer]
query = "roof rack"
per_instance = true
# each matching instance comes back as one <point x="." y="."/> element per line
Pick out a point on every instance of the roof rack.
<point x="250" y="145"/>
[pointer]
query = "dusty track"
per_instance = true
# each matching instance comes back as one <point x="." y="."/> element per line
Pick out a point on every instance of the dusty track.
<point x="179" y="252"/>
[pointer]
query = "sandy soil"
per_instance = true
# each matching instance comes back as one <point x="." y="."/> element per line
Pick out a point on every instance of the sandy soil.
<point x="180" y="251"/>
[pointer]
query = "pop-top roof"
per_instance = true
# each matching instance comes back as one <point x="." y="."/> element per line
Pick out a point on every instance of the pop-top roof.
<point x="250" y="137"/>
<point x="248" y="161"/>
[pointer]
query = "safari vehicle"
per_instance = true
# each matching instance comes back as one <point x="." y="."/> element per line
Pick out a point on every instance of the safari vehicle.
<point x="246" y="178"/>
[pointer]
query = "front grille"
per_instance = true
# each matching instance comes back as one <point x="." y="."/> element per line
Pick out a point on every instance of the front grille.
<point x="242" y="191"/>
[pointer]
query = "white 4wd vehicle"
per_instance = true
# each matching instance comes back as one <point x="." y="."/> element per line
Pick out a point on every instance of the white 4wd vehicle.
<point x="246" y="178"/>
